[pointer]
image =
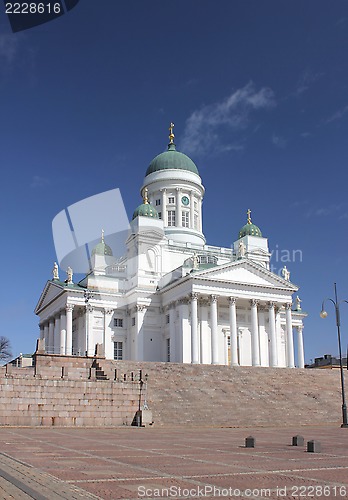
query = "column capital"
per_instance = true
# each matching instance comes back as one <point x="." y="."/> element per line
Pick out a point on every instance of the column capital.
<point x="178" y="189"/>
<point x="140" y="307"/>
<point x="108" y="310"/>
<point x="89" y="308"/>
<point x="232" y="300"/>
<point x="69" y="307"/>
<point x="171" y="305"/>
<point x="194" y="296"/>
<point x="213" y="299"/>
<point x="299" y="328"/>
<point x="288" y="305"/>
<point x="271" y="305"/>
<point x="183" y="301"/>
<point x="254" y="302"/>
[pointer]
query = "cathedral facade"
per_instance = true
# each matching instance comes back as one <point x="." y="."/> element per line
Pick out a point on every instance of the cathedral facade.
<point x="172" y="297"/>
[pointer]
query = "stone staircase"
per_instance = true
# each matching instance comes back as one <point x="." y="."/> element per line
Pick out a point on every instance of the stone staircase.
<point x="206" y="395"/>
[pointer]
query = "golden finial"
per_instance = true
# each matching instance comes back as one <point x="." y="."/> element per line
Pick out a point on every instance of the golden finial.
<point x="249" y="218"/>
<point x="145" y="198"/>
<point x="171" y="134"/>
<point x="102" y="238"/>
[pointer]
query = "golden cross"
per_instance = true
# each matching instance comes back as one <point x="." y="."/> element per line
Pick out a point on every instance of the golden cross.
<point x="249" y="219"/>
<point x="102" y="235"/>
<point x="171" y="135"/>
<point x="145" y="198"/>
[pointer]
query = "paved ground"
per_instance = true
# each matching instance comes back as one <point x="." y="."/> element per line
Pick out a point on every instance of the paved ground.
<point x="133" y="463"/>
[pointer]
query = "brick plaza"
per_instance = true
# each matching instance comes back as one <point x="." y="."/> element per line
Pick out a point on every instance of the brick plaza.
<point x="173" y="462"/>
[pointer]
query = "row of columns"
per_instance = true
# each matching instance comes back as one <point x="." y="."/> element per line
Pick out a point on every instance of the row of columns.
<point x="255" y="337"/>
<point x="57" y="332"/>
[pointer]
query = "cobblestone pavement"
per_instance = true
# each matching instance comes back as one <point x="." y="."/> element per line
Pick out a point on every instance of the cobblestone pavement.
<point x="134" y="463"/>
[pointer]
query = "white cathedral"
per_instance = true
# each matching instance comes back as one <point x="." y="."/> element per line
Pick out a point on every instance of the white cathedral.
<point x="172" y="297"/>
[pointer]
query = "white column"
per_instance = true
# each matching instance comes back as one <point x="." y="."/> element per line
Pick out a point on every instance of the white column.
<point x="69" y="312"/>
<point x="42" y="330"/>
<point x="200" y="215"/>
<point x="194" y="329"/>
<point x="56" y="341"/>
<point x="90" y="347"/>
<point x="233" y="331"/>
<point x="108" y="346"/>
<point x="172" y="332"/>
<point x="46" y="336"/>
<point x="214" y="330"/>
<point x="139" y="321"/>
<point x="300" y="350"/>
<point x="290" y="359"/>
<point x="273" y="356"/>
<point x="255" y="340"/>
<point x="62" y="349"/>
<point x="192" y="210"/>
<point x="178" y="207"/>
<point x="50" y="344"/>
<point x="163" y="207"/>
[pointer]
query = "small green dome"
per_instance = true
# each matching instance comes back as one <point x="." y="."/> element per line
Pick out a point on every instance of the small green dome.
<point x="250" y="229"/>
<point x="102" y="249"/>
<point x="171" y="159"/>
<point x="145" y="210"/>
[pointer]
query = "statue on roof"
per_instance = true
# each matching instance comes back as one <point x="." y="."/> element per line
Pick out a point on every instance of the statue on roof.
<point x="195" y="260"/>
<point x="286" y="273"/>
<point x="55" y="271"/>
<point x="69" y="274"/>
<point x="298" y="303"/>
<point x="241" y="250"/>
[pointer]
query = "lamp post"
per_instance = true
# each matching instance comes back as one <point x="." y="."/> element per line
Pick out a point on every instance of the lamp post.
<point x="323" y="314"/>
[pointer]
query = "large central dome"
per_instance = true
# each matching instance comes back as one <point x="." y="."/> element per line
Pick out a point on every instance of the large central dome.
<point x="171" y="159"/>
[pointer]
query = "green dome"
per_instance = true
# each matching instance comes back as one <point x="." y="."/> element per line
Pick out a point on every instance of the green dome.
<point x="171" y="159"/>
<point x="145" y="210"/>
<point x="249" y="229"/>
<point x="102" y="249"/>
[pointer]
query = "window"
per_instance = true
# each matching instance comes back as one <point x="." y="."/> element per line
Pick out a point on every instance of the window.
<point x="158" y="202"/>
<point x="118" y="322"/>
<point x="171" y="200"/>
<point x="196" y="221"/>
<point x="133" y="321"/>
<point x="118" y="350"/>
<point x="185" y="219"/>
<point x="171" y="217"/>
<point x="167" y="318"/>
<point x="160" y="215"/>
<point x="168" y="349"/>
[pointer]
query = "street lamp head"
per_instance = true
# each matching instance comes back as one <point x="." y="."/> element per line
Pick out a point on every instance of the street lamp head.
<point x="323" y="314"/>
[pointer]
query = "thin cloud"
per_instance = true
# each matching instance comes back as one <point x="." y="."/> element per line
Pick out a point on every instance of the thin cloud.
<point x="306" y="79"/>
<point x="8" y="47"/>
<point x="39" y="182"/>
<point x="201" y="134"/>
<point x="324" y="211"/>
<point x="338" y="115"/>
<point x="278" y="141"/>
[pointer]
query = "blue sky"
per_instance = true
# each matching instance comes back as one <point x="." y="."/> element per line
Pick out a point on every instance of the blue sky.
<point x="258" y="92"/>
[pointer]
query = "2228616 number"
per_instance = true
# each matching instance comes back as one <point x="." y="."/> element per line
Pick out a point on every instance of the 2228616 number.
<point x="32" y="8"/>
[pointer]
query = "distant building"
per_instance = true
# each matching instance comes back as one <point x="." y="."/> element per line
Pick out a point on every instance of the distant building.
<point x="328" y="361"/>
<point x="23" y="360"/>
<point x="172" y="297"/>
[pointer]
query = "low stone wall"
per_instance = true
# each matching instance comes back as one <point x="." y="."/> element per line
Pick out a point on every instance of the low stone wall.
<point x="65" y="391"/>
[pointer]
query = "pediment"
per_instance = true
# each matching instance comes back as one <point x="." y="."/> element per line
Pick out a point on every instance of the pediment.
<point x="247" y="273"/>
<point x="50" y="292"/>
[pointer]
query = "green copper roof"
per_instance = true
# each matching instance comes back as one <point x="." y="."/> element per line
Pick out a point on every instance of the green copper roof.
<point x="102" y="248"/>
<point x="145" y="210"/>
<point x="171" y="159"/>
<point x="249" y="229"/>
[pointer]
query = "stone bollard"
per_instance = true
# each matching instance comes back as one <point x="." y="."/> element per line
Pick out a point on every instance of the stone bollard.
<point x="314" y="446"/>
<point x="250" y="442"/>
<point x="297" y="440"/>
